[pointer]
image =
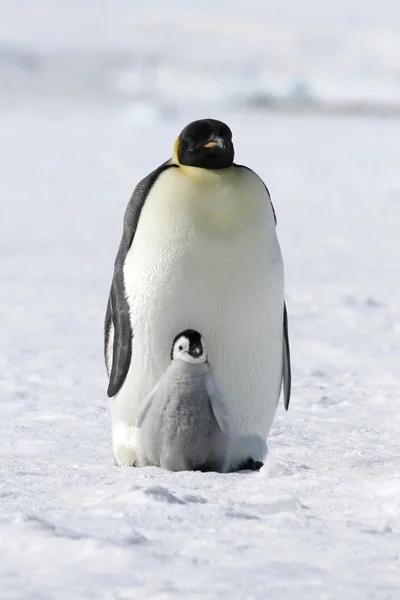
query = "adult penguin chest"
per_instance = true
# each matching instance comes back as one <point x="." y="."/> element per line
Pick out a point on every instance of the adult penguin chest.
<point x="205" y="256"/>
<point x="198" y="233"/>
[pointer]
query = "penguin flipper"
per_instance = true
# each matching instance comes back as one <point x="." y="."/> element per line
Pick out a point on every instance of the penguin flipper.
<point x="219" y="408"/>
<point x="107" y="332"/>
<point x="287" y="374"/>
<point x="118" y="307"/>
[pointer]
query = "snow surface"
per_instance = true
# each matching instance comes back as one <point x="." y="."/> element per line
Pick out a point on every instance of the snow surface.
<point x="322" y="518"/>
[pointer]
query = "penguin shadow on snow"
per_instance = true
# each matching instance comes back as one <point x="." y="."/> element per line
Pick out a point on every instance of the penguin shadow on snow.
<point x="184" y="424"/>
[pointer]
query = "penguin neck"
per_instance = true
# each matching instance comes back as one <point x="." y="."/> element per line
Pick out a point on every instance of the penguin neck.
<point x="203" y="175"/>
<point x="189" y="368"/>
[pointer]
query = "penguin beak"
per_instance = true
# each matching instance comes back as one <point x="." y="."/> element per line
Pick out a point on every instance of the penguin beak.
<point x="215" y="141"/>
<point x="196" y="352"/>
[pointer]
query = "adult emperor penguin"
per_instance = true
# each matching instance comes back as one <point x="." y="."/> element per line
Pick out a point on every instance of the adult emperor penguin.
<point x="183" y="425"/>
<point x="199" y="250"/>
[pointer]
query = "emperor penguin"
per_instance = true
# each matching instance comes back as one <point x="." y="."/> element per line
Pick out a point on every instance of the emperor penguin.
<point x="183" y="423"/>
<point x="199" y="249"/>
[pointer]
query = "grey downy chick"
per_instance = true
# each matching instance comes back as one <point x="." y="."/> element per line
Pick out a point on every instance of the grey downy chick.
<point x="183" y="423"/>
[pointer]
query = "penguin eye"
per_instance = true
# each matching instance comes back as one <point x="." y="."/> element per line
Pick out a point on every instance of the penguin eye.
<point x="180" y="347"/>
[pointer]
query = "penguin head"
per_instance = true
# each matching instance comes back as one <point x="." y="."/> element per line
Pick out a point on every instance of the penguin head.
<point x="206" y="144"/>
<point x="189" y="347"/>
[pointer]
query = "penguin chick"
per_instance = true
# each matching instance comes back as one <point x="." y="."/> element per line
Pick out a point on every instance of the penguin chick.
<point x="183" y="423"/>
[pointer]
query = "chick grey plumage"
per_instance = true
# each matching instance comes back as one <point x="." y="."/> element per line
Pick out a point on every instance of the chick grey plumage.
<point x="183" y="423"/>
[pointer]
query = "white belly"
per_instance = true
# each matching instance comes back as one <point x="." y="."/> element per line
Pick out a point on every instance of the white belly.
<point x="205" y="256"/>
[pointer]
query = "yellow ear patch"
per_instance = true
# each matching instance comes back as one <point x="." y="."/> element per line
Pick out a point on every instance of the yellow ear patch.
<point x="175" y="152"/>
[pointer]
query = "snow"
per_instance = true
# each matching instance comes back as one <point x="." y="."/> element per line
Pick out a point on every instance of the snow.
<point x="322" y="518"/>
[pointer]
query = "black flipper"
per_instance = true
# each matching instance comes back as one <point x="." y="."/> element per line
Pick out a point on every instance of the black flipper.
<point x="287" y="374"/>
<point x="118" y="308"/>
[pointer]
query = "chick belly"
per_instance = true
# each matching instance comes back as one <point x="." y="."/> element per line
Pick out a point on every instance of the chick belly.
<point x="190" y="437"/>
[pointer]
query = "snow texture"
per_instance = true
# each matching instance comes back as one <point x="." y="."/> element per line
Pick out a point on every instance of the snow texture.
<point x="321" y="520"/>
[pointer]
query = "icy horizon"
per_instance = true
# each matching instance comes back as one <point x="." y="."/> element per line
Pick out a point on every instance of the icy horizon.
<point x="334" y="58"/>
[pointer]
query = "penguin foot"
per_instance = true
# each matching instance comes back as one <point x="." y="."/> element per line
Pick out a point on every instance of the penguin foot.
<point x="250" y="465"/>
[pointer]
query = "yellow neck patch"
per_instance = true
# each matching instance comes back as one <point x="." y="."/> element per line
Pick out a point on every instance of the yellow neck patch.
<point x="175" y="152"/>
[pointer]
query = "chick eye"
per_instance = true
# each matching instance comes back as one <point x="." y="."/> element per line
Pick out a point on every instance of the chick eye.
<point x="180" y="347"/>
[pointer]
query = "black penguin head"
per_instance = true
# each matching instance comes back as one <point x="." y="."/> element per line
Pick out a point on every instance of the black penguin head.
<point x="206" y="144"/>
<point x="189" y="346"/>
